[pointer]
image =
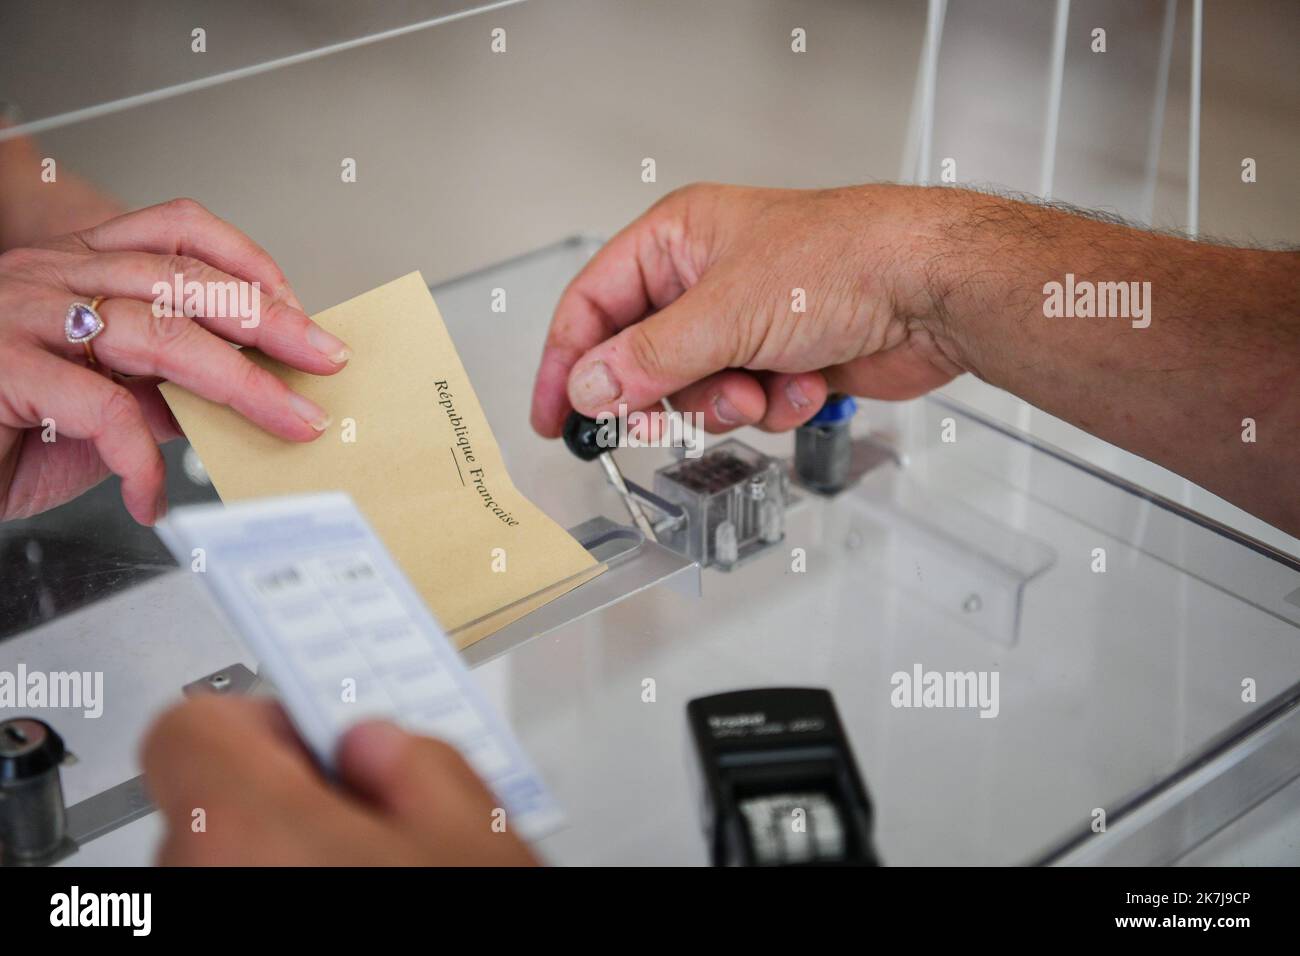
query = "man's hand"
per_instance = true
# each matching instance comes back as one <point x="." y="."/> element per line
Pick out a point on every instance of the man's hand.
<point x="237" y="788"/>
<point x="749" y="304"/>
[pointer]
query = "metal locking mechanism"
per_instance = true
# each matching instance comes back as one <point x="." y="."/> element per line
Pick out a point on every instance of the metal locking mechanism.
<point x="33" y="821"/>
<point x="719" y="509"/>
<point x="734" y="498"/>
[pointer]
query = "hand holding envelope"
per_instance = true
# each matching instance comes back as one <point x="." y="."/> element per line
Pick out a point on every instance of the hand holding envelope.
<point x="410" y="444"/>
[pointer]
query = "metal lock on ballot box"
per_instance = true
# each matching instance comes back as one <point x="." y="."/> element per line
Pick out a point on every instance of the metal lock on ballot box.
<point x="719" y="509"/>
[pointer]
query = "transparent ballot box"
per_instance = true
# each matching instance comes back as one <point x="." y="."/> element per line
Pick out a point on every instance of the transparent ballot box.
<point x="1041" y="650"/>
<point x="1127" y="669"/>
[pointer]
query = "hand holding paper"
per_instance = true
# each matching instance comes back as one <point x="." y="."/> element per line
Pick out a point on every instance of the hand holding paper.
<point x="410" y="444"/>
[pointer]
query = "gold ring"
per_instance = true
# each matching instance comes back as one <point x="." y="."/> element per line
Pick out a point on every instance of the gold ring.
<point x="82" y="323"/>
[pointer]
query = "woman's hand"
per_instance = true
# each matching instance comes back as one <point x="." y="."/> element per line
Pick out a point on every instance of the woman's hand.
<point x="64" y="424"/>
<point x="748" y="305"/>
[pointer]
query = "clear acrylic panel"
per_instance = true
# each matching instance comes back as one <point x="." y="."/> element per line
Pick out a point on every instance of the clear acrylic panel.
<point x="125" y="55"/>
<point x="1117" y="687"/>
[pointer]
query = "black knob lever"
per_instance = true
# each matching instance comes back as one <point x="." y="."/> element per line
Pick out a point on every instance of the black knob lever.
<point x="582" y="436"/>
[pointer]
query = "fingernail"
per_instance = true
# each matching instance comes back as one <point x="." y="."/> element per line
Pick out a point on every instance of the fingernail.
<point x="310" y="412"/>
<point x="594" y="385"/>
<point x="330" y="346"/>
<point x="795" y="393"/>
<point x="725" y="411"/>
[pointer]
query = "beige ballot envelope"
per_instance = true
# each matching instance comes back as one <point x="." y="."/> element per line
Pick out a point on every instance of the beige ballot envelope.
<point x="412" y="447"/>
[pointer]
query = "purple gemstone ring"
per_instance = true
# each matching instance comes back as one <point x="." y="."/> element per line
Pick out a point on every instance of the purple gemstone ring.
<point x="82" y="323"/>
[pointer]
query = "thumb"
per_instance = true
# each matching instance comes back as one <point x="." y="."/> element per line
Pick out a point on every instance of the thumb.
<point x="681" y="344"/>
<point x="404" y="774"/>
<point x="427" y="788"/>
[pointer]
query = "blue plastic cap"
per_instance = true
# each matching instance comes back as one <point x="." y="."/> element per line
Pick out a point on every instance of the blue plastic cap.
<point x="838" y="408"/>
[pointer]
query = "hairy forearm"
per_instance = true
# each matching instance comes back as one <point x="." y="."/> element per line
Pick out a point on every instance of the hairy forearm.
<point x="1199" y="371"/>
